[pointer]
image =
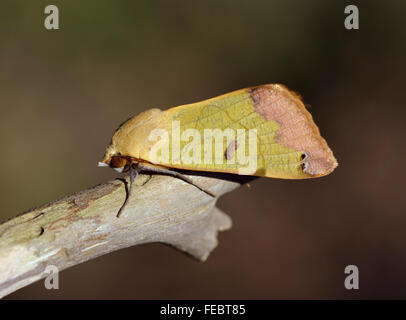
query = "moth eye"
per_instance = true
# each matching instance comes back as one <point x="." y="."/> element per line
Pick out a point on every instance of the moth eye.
<point x="117" y="162"/>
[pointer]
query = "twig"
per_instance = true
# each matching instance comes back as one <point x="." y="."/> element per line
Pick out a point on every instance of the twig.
<point x="84" y="226"/>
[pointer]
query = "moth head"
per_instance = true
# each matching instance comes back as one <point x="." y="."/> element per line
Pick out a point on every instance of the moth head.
<point x="115" y="161"/>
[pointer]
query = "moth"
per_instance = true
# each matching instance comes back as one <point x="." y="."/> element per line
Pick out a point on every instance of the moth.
<point x="263" y="131"/>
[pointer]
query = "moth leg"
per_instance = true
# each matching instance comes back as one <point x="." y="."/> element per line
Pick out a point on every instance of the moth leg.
<point x="133" y="175"/>
<point x="176" y="175"/>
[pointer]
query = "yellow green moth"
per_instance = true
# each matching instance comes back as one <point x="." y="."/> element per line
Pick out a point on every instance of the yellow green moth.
<point x="262" y="131"/>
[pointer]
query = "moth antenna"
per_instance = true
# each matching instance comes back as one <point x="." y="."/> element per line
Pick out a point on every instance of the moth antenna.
<point x="176" y="175"/>
<point x="133" y="176"/>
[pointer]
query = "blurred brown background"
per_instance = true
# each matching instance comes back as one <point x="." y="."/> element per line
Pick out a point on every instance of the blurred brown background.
<point x="63" y="93"/>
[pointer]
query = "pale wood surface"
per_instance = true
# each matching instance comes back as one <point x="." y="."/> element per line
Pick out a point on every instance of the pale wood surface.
<point x="84" y="226"/>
